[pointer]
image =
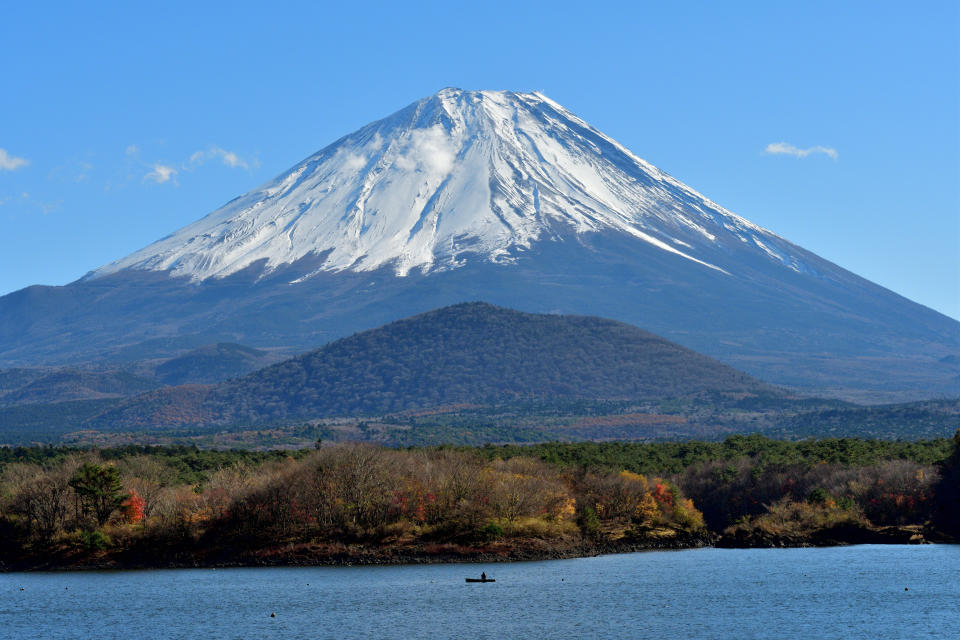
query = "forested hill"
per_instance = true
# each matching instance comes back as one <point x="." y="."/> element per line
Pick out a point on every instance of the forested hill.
<point x="471" y="353"/>
<point x="212" y="363"/>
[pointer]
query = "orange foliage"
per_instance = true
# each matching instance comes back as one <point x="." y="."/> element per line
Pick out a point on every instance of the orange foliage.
<point x="132" y="508"/>
<point x="663" y="494"/>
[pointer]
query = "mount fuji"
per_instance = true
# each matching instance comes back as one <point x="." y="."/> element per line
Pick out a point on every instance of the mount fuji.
<point x="497" y="196"/>
<point x="483" y="173"/>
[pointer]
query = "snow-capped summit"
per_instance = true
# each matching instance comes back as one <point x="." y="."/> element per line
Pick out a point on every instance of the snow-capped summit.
<point x="458" y="176"/>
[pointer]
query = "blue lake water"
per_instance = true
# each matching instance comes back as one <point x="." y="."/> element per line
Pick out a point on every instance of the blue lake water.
<point x="844" y="592"/>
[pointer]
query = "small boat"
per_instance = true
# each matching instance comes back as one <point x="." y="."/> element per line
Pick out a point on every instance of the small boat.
<point x="481" y="580"/>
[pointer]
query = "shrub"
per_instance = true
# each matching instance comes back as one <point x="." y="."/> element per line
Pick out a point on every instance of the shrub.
<point x="95" y="540"/>
<point x="588" y="522"/>
<point x="820" y="496"/>
<point x="492" y="531"/>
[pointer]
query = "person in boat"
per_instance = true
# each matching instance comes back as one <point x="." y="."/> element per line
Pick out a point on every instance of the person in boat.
<point x="483" y="575"/>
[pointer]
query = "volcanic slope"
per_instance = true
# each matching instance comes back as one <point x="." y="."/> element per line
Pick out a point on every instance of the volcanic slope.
<point x="471" y="353"/>
<point x="498" y="196"/>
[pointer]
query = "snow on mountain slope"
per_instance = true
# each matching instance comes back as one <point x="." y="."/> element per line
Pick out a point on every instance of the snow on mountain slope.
<point x="458" y="176"/>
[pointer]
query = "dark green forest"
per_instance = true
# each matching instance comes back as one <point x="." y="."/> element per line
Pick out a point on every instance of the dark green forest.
<point x="472" y="353"/>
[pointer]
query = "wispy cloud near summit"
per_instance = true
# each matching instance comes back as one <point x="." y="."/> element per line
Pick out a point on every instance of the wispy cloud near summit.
<point x="161" y="173"/>
<point x="228" y="158"/>
<point x="787" y="149"/>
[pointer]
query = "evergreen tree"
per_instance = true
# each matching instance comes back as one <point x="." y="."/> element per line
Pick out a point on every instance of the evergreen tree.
<point x="99" y="490"/>
<point x="947" y="517"/>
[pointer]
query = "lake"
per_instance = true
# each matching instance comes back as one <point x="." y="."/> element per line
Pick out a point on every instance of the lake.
<point x="864" y="591"/>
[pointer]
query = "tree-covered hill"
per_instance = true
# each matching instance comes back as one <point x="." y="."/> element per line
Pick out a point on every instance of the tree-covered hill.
<point x="213" y="363"/>
<point x="472" y="353"/>
<point x="73" y="385"/>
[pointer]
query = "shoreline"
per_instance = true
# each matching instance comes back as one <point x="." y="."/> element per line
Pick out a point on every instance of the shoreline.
<point x="335" y="554"/>
<point x="341" y="554"/>
<point x="835" y="536"/>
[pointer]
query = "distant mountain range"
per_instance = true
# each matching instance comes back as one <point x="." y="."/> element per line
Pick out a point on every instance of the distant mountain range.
<point x="204" y="365"/>
<point x="64" y="385"/>
<point x="497" y="196"/>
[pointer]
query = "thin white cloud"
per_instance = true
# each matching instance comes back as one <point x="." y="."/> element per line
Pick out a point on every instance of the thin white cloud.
<point x="48" y="207"/>
<point x="232" y="160"/>
<point x="11" y="163"/>
<point x="74" y="170"/>
<point x="229" y="158"/>
<point x="427" y="150"/>
<point x="354" y="162"/>
<point x="83" y="171"/>
<point x="30" y="202"/>
<point x="161" y="173"/>
<point x="787" y="149"/>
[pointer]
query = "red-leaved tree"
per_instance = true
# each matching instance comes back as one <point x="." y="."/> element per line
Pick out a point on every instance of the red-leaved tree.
<point x="132" y="508"/>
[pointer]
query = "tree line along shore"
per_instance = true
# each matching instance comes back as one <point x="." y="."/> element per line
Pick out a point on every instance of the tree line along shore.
<point x="136" y="506"/>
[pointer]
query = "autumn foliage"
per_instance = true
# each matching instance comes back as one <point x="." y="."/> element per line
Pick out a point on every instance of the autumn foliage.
<point x="132" y="508"/>
<point x="363" y="493"/>
<point x="343" y="494"/>
<point x="351" y="494"/>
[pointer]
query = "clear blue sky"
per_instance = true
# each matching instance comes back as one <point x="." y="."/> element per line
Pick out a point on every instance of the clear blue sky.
<point x="99" y="103"/>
